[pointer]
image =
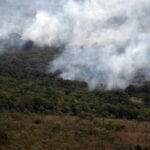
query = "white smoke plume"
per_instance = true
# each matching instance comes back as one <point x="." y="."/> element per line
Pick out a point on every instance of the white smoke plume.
<point x="106" y="41"/>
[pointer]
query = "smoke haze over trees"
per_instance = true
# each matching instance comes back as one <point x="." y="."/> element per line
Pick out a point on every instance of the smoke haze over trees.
<point x="106" y="42"/>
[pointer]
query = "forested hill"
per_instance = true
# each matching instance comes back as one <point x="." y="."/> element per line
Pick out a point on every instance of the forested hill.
<point x="26" y="86"/>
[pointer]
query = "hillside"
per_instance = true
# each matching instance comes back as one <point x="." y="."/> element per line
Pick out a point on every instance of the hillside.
<point x="26" y="86"/>
<point x="74" y="75"/>
<point x="40" y="110"/>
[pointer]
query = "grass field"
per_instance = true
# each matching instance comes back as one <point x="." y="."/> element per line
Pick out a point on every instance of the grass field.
<point x="60" y="132"/>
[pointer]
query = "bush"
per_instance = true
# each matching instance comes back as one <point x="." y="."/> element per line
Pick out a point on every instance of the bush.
<point x="5" y="124"/>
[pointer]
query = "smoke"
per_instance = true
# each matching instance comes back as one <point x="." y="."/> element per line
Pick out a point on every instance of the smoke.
<point x="106" y="42"/>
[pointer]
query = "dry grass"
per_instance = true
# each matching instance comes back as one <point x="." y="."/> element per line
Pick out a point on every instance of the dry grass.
<point x="50" y="132"/>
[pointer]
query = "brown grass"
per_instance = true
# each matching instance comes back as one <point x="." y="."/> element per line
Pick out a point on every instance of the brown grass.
<point x="50" y="132"/>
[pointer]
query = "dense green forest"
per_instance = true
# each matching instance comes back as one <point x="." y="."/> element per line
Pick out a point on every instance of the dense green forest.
<point x="27" y="86"/>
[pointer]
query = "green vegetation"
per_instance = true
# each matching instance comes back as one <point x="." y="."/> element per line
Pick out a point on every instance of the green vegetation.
<point x="26" y="86"/>
<point x="40" y="111"/>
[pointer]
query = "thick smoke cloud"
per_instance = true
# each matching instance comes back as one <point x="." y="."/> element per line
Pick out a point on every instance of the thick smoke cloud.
<point x="106" y="41"/>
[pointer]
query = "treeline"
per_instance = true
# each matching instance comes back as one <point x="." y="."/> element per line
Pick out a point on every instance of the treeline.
<point x="26" y="86"/>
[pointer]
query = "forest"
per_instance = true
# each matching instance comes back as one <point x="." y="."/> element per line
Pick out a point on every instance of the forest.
<point x="27" y="86"/>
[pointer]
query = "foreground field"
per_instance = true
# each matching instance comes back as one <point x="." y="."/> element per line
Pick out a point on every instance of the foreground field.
<point x="52" y="132"/>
